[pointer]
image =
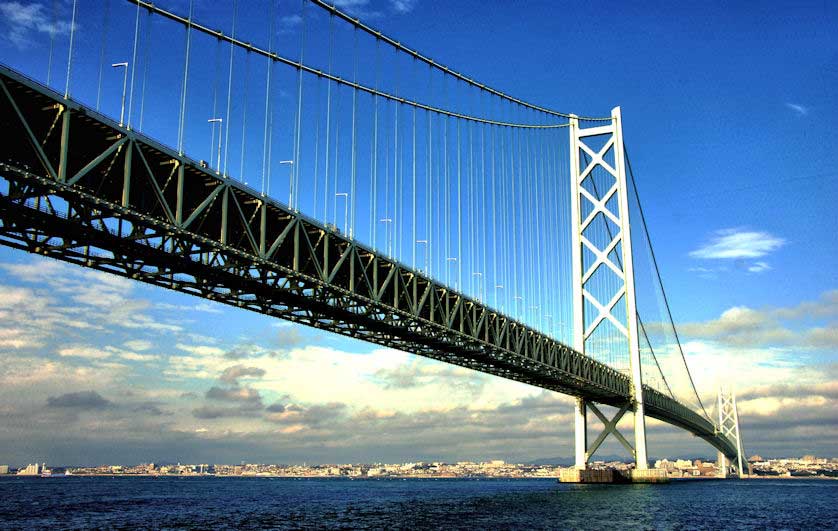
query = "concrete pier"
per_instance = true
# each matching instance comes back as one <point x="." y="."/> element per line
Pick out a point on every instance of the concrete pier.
<point x="610" y="475"/>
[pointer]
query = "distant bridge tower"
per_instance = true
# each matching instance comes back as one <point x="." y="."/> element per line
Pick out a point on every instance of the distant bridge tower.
<point x="729" y="427"/>
<point x="601" y="247"/>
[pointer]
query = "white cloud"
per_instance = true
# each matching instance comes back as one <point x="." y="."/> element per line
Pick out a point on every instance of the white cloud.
<point x="806" y="325"/>
<point x="25" y="18"/>
<point x="201" y="350"/>
<point x="403" y="6"/>
<point x="133" y="356"/>
<point x="83" y="352"/>
<point x="736" y="243"/>
<point x="16" y="338"/>
<point x="801" y="110"/>
<point x="759" y="267"/>
<point x="138" y="344"/>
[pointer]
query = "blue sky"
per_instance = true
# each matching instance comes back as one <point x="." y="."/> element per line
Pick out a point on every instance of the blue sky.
<point x="727" y="112"/>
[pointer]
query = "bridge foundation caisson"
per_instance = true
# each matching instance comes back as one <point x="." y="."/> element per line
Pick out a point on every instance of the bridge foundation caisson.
<point x="595" y="303"/>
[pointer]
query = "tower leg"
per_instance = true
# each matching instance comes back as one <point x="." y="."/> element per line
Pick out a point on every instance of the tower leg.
<point x="640" y="458"/>
<point x="722" y="461"/>
<point x="580" y="415"/>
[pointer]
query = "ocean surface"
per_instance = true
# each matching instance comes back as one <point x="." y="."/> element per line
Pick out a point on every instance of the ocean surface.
<point x="274" y="503"/>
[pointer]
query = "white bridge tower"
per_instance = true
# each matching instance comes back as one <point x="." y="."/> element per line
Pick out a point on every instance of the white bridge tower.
<point x="599" y="202"/>
<point x="729" y="427"/>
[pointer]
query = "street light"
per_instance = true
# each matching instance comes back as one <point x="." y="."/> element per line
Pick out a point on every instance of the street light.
<point x="345" y="196"/>
<point x="389" y="221"/>
<point x="290" y="164"/>
<point x="124" y="85"/>
<point x="220" y="122"/>
<point x="479" y="276"/>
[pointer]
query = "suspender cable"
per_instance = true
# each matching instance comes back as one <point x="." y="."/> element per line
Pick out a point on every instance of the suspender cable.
<point x="447" y="186"/>
<point x="244" y="115"/>
<point x="533" y="229"/>
<point x="182" y="116"/>
<point x="483" y="210"/>
<point x="328" y="123"/>
<point x="537" y="229"/>
<point x="517" y="212"/>
<point x="474" y="252"/>
<point x="105" y="22"/>
<point x="70" y="51"/>
<point x="337" y="158"/>
<point x="266" y="143"/>
<point x="503" y="229"/>
<point x="146" y="62"/>
<point x="134" y="68"/>
<point x="317" y="121"/>
<point x="394" y="225"/>
<point x="215" y="105"/>
<point x="459" y="215"/>
<point x="386" y="219"/>
<point x="496" y="280"/>
<point x="352" y="191"/>
<point x="521" y="214"/>
<point x="229" y="90"/>
<point x="52" y="41"/>
<point x="295" y="179"/>
<point x="413" y="180"/>
<point x="429" y="182"/>
<point x="374" y="155"/>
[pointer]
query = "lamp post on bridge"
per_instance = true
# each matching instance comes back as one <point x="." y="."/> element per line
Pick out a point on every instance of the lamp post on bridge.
<point x="479" y="276"/>
<point x="389" y="242"/>
<point x="123" y="65"/>
<point x="290" y="164"/>
<point x="497" y="287"/>
<point x="220" y="122"/>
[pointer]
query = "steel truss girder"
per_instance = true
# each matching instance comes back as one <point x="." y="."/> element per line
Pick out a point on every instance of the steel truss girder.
<point x="138" y="209"/>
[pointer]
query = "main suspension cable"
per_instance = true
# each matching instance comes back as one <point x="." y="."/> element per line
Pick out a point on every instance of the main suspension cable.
<point x="337" y="79"/>
<point x="433" y="64"/>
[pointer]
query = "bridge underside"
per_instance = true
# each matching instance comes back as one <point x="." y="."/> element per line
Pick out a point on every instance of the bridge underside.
<point x="78" y="187"/>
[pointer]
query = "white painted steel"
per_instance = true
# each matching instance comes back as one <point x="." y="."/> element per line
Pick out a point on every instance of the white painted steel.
<point x="580" y="414"/>
<point x="729" y="427"/>
<point x="624" y="272"/>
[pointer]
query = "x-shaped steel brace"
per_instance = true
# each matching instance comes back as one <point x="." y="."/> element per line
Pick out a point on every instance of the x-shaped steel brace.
<point x="610" y="426"/>
<point x="597" y="158"/>
<point x="599" y="206"/>
<point x="605" y="312"/>
<point x="602" y="257"/>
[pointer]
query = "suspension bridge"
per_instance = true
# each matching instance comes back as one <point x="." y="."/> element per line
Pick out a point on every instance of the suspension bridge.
<point x="292" y="160"/>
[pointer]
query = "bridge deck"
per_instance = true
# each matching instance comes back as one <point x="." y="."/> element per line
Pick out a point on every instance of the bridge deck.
<point x="76" y="186"/>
